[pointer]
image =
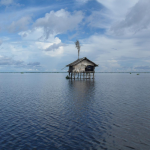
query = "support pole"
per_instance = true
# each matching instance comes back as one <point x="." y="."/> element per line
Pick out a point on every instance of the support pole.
<point x="74" y="75"/>
<point x="71" y="75"/>
<point x="93" y="75"/>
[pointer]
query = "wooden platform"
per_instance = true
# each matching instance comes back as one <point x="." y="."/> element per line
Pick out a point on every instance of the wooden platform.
<point x="82" y="75"/>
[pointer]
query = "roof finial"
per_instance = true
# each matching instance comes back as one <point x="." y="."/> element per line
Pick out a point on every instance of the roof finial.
<point x="77" y="43"/>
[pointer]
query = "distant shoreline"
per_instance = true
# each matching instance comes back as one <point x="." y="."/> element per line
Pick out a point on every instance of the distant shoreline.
<point x="67" y="72"/>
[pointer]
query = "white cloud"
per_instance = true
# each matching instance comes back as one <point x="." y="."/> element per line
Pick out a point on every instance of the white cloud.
<point x="99" y="19"/>
<point x="1" y="42"/>
<point x="59" y="22"/>
<point x="115" y="54"/>
<point x="39" y="43"/>
<point x="118" y="7"/>
<point x="12" y="21"/>
<point x="20" y="25"/>
<point x="137" y="21"/>
<point x="54" y="47"/>
<point x="114" y="11"/>
<point x="9" y="61"/>
<point x="57" y="53"/>
<point x="82" y="1"/>
<point x="32" y="35"/>
<point x="142" y="67"/>
<point x="6" y="2"/>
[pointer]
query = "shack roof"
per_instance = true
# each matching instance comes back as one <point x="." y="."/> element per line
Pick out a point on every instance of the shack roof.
<point x="79" y="60"/>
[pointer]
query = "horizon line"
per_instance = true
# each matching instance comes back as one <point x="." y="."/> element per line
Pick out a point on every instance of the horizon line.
<point x="67" y="72"/>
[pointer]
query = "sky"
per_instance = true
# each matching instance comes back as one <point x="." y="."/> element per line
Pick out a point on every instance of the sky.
<point x="40" y="35"/>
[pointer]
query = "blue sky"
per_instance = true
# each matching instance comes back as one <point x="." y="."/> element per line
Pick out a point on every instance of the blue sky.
<point x="39" y="35"/>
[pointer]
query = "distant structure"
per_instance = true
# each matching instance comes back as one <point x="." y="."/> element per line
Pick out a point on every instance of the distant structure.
<point x="82" y="68"/>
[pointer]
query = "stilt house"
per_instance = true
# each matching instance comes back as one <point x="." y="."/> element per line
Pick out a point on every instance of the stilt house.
<point x="82" y="68"/>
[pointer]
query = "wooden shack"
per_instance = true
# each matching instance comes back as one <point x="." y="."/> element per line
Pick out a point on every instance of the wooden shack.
<point x="82" y="68"/>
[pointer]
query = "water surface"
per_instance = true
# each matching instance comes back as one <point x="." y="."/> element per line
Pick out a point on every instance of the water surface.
<point x="46" y="111"/>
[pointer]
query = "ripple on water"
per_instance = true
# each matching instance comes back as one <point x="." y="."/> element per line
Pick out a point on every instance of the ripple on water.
<point x="46" y="111"/>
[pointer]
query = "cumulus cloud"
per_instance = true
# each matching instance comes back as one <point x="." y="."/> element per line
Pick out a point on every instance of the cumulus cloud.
<point x="55" y="53"/>
<point x="40" y="42"/>
<point x="54" y="47"/>
<point x="59" y="21"/>
<point x="14" y="19"/>
<point x="32" y="35"/>
<point x="19" y="25"/>
<point x="137" y="20"/>
<point x="6" y="2"/>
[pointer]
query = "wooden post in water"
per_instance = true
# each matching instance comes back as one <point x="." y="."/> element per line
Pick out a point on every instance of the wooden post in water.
<point x="71" y="75"/>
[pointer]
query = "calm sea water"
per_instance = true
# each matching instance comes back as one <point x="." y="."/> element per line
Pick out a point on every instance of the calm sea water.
<point x="46" y="111"/>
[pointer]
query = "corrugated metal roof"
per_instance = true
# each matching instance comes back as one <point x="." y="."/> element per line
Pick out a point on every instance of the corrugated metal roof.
<point x="79" y="60"/>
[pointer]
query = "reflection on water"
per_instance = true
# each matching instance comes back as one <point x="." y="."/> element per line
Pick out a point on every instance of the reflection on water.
<point x="46" y="111"/>
<point x="82" y="91"/>
<point x="86" y="128"/>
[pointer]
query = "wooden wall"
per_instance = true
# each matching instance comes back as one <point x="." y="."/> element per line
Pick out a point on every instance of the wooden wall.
<point x="81" y="66"/>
